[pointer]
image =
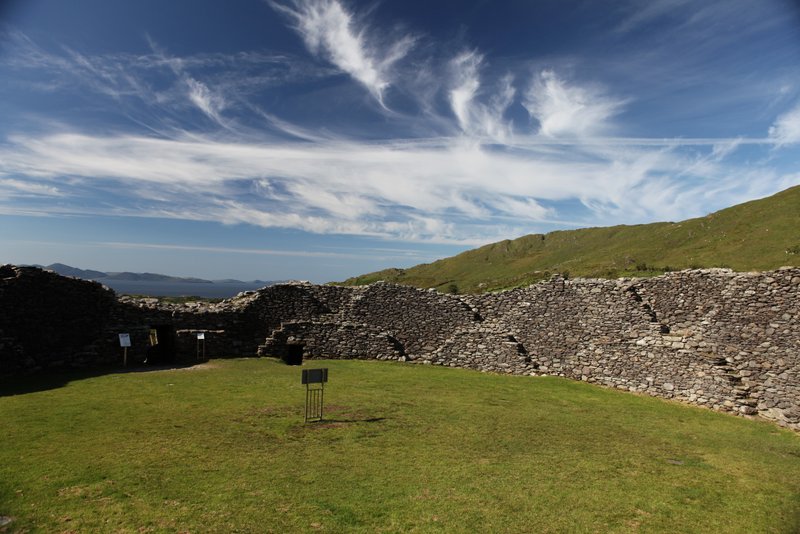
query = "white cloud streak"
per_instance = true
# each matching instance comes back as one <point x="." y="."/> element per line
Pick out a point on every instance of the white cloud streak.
<point x="211" y="103"/>
<point x="566" y="110"/>
<point x="466" y="87"/>
<point x="10" y="187"/>
<point x="331" y="31"/>
<point x="646" y="12"/>
<point x="447" y="192"/>
<point x="208" y="102"/>
<point x="155" y="89"/>
<point x="228" y="250"/>
<point x="476" y="118"/>
<point x="786" y="129"/>
<point x="480" y="182"/>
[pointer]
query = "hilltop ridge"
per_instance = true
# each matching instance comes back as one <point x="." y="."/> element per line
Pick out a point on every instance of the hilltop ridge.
<point x="757" y="235"/>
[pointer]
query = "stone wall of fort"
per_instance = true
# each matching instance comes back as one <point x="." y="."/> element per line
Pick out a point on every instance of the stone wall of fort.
<point x="48" y="321"/>
<point x="727" y="341"/>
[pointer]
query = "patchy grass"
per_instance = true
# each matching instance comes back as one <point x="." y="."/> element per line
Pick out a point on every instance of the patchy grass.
<point x="403" y="448"/>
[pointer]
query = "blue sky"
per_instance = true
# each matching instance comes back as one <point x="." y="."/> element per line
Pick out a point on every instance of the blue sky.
<point x="323" y="139"/>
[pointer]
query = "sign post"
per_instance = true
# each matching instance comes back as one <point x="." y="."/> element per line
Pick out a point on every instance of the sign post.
<point x="314" y="394"/>
<point x="125" y="342"/>
<point x="201" y="340"/>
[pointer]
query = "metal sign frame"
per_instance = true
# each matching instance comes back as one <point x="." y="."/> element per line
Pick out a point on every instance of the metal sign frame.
<point x="125" y="342"/>
<point x="201" y="342"/>
<point x="314" y="380"/>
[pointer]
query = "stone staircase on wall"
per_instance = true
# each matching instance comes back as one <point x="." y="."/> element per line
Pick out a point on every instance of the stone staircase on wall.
<point x="329" y="339"/>
<point x="484" y="345"/>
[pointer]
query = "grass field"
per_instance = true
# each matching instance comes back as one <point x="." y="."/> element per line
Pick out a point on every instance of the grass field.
<point x="404" y="448"/>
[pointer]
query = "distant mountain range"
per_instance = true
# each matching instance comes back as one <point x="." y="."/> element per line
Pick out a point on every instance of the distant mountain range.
<point x="88" y="274"/>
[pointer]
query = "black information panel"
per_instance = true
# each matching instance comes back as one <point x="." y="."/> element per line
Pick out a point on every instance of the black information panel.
<point x="314" y="394"/>
<point x="315" y="376"/>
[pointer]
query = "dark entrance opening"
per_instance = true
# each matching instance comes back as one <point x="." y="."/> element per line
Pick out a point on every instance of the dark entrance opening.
<point x="162" y="344"/>
<point x="294" y="355"/>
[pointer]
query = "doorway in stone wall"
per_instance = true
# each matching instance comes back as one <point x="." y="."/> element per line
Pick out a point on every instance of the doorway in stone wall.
<point x="294" y="355"/>
<point x="162" y="344"/>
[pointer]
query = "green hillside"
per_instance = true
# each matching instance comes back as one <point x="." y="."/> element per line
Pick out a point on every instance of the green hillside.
<point x="759" y="235"/>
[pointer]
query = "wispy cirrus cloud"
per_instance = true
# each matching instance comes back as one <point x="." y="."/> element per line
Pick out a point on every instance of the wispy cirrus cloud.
<point x="210" y="102"/>
<point x="786" y="129"/>
<point x="465" y="87"/>
<point x="699" y="19"/>
<point x="565" y="110"/>
<point x="480" y="177"/>
<point x="436" y="190"/>
<point x="156" y="88"/>
<point x="329" y="30"/>
<point x="229" y="250"/>
<point x="640" y="14"/>
<point x="482" y="119"/>
<point x="10" y="187"/>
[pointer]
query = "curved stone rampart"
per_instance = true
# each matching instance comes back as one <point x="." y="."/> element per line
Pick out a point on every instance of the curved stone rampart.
<point x="49" y="321"/>
<point x="728" y="341"/>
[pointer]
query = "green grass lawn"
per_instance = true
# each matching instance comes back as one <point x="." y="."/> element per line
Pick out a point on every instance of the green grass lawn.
<point x="404" y="448"/>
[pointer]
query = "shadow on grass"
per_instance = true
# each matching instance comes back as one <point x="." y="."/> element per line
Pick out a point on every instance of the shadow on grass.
<point x="339" y="414"/>
<point x="326" y="424"/>
<point x="367" y="420"/>
<point x="21" y="385"/>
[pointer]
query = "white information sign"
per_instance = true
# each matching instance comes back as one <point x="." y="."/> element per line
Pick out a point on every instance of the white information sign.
<point x="124" y="340"/>
<point x="201" y="335"/>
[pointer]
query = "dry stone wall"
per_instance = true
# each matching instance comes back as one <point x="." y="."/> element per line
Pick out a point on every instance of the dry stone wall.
<point x="727" y="341"/>
<point x="48" y="321"/>
<point x="745" y="326"/>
